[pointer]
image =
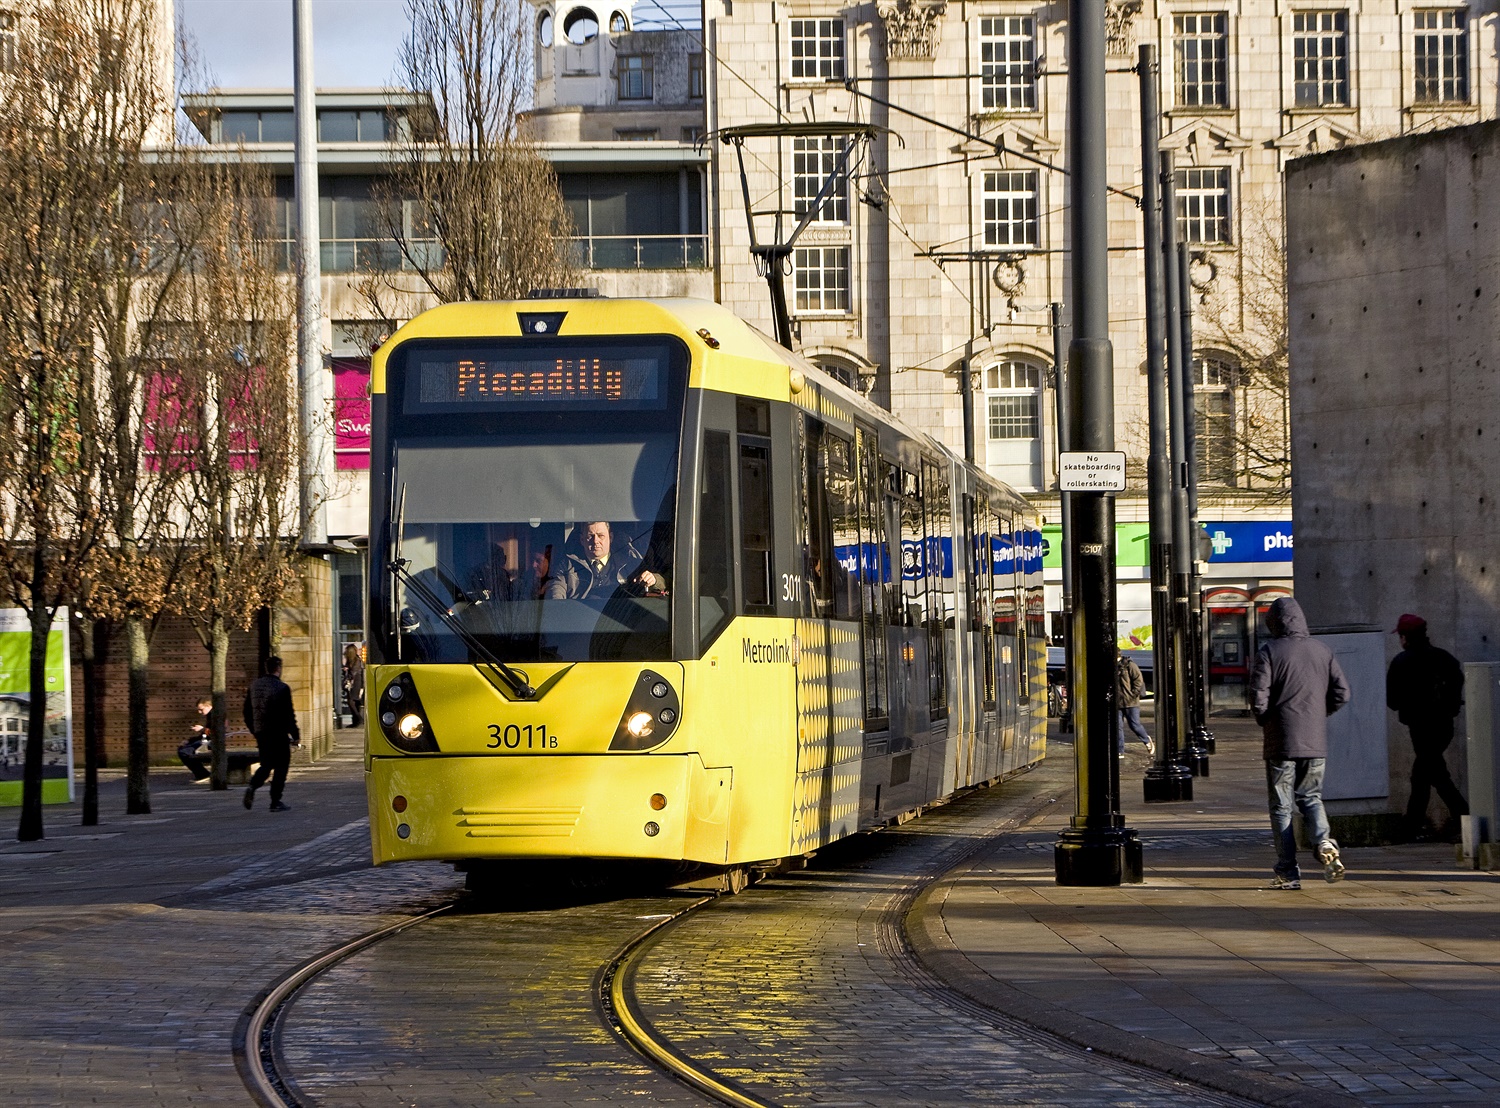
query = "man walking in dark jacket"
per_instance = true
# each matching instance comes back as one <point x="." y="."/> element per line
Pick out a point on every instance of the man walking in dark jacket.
<point x="1425" y="688"/>
<point x="273" y="722"/>
<point x="1296" y="685"/>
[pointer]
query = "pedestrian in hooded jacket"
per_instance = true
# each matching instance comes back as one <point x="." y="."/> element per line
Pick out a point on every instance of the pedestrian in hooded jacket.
<point x="1295" y="686"/>
<point x="1425" y="688"/>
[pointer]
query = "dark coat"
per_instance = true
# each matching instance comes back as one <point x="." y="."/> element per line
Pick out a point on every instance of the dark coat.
<point x="1130" y="683"/>
<point x="1425" y="684"/>
<point x="576" y="579"/>
<point x="1295" y="686"/>
<point x="268" y="711"/>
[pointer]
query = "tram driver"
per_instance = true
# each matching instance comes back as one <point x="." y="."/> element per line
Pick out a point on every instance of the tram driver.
<point x="598" y="569"/>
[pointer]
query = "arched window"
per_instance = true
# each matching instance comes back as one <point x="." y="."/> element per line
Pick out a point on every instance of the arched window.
<point x="618" y="24"/>
<point x="1013" y="421"/>
<point x="581" y="26"/>
<point x="544" y="29"/>
<point x="1214" y="380"/>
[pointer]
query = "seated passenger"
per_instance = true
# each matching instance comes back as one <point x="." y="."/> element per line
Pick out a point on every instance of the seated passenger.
<point x="600" y="570"/>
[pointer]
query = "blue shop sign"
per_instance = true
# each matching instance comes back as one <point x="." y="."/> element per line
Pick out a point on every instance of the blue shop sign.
<point x="1250" y="541"/>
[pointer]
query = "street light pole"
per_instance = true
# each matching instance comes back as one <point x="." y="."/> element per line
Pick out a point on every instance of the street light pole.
<point x="1167" y="779"/>
<point x="1203" y="738"/>
<point x="1180" y="400"/>
<point x="1096" y="848"/>
<point x="1065" y="723"/>
<point x="313" y="410"/>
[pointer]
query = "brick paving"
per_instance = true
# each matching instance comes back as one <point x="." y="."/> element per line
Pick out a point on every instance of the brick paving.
<point x="132" y="948"/>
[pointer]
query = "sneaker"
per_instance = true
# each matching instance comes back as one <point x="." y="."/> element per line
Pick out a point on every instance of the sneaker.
<point x="1328" y="854"/>
<point x="278" y="806"/>
<point x="1150" y="749"/>
<point x="1280" y="882"/>
<point x="249" y="798"/>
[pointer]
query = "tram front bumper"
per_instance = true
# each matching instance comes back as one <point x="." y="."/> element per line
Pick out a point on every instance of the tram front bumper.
<point x="519" y="806"/>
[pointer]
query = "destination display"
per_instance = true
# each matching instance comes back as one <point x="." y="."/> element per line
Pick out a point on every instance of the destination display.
<point x="574" y="378"/>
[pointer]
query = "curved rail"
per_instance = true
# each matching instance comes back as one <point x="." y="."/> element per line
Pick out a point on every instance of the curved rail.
<point x="616" y="999"/>
<point x="256" y="1032"/>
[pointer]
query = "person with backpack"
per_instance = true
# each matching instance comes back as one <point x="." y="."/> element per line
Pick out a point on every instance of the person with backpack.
<point x="1130" y="686"/>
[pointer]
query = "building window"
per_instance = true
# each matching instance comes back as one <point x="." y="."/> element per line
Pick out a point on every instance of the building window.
<point x="251" y="127"/>
<point x="7" y="41"/>
<point x="618" y="24"/>
<point x="1007" y="57"/>
<point x="693" y="135"/>
<point x="1320" y="51"/>
<point x="1203" y="205"/>
<point x="1016" y="413"/>
<point x="1200" y="47"/>
<point x="821" y="274"/>
<point x="817" y="49"/>
<point x="1010" y="208"/>
<point x="367" y="125"/>
<point x="636" y="134"/>
<point x="695" y="76"/>
<point x="813" y="160"/>
<point x="635" y="76"/>
<point x="1214" y="381"/>
<point x="1441" y="55"/>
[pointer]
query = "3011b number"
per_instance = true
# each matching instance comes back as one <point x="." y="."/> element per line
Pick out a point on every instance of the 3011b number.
<point x="515" y="737"/>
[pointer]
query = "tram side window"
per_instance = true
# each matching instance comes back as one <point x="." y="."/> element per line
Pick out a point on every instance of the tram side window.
<point x="874" y="571"/>
<point x="755" y="507"/>
<point x="817" y="538"/>
<point x="914" y="611"/>
<point x="838" y="470"/>
<point x="985" y="564"/>
<point x="939" y="581"/>
<point x="715" y="540"/>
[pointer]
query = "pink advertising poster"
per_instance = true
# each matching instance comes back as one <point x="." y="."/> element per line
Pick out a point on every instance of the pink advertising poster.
<point x="351" y="413"/>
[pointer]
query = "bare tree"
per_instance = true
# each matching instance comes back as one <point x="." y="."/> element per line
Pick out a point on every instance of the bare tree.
<point x="82" y="99"/>
<point x="233" y="381"/>
<point x="1247" y="321"/>
<point x="472" y="206"/>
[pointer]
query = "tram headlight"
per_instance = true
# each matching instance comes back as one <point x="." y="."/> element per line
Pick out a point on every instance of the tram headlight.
<point x="651" y="714"/>
<point x="403" y="720"/>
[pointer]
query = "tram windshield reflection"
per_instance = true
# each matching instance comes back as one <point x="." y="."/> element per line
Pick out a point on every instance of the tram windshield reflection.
<point x="540" y="548"/>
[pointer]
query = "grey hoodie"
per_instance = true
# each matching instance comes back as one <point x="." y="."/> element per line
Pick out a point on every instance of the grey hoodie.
<point x="1295" y="687"/>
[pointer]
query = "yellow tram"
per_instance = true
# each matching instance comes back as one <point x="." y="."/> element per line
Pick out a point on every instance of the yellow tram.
<point x="646" y="586"/>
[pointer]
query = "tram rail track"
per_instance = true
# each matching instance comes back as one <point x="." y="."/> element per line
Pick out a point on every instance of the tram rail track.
<point x="619" y="1008"/>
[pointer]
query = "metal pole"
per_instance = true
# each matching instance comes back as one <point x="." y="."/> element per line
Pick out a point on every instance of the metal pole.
<point x="1167" y="779"/>
<point x="1179" y="400"/>
<point x="1065" y="724"/>
<point x="1203" y="738"/>
<point x="1097" y="848"/>
<point x="314" y="410"/>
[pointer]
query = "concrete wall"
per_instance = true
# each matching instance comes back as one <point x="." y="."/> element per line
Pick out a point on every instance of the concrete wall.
<point x="1394" y="282"/>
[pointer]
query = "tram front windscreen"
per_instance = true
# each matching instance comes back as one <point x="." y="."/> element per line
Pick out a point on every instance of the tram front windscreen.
<point x="532" y="491"/>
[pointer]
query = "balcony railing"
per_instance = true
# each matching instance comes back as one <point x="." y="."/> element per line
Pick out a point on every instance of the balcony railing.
<point x="641" y="251"/>
<point x="363" y="255"/>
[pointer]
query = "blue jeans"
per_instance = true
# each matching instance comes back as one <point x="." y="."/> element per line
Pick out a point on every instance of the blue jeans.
<point x="1298" y="780"/>
<point x="1131" y="718"/>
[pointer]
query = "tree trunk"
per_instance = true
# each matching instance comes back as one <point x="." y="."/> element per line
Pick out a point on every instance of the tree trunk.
<point x="30" y="829"/>
<point x="138" y="783"/>
<point x="218" y="666"/>
<point x="91" y="631"/>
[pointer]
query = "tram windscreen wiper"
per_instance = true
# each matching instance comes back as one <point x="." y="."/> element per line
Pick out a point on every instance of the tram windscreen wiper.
<point x="513" y="680"/>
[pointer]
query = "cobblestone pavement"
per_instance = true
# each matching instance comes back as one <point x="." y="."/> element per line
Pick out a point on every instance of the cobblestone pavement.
<point x="1384" y="986"/>
<point x="132" y="948"/>
<point x="793" y="989"/>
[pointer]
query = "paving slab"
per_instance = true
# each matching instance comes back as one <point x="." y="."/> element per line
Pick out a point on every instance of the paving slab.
<point x="1385" y="986"/>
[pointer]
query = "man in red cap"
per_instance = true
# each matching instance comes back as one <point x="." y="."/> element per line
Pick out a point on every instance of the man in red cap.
<point x="1425" y="688"/>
